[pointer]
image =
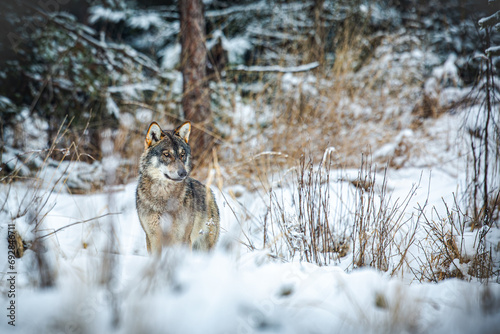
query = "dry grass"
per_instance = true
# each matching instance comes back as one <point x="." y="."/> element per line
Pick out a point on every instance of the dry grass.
<point x="343" y="103"/>
<point x="304" y="225"/>
<point x="34" y="207"/>
<point x="379" y="223"/>
<point x="445" y="252"/>
<point x="36" y="201"/>
<point x="380" y="232"/>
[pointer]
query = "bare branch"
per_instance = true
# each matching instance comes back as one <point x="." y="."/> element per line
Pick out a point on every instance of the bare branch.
<point x="277" y="69"/>
<point x="76" y="223"/>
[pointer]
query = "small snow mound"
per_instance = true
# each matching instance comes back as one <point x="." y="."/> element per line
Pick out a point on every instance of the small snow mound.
<point x="447" y="74"/>
<point x="390" y="149"/>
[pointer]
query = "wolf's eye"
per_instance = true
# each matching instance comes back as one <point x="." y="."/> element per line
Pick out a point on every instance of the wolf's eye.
<point x="166" y="154"/>
<point x="182" y="154"/>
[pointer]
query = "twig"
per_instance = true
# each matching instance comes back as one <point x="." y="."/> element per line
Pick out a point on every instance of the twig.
<point x="78" y="222"/>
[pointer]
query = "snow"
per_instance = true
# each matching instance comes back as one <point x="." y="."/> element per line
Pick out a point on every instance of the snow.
<point x="280" y="69"/>
<point x="447" y="74"/>
<point x="145" y="21"/>
<point x="217" y="293"/>
<point x="98" y="13"/>
<point x="144" y="115"/>
<point x="490" y="20"/>
<point x="34" y="129"/>
<point x="389" y="149"/>
<point x="244" y="115"/>
<point x="170" y="56"/>
<point x="6" y="103"/>
<point x="306" y="84"/>
<point x="236" y="47"/>
<point x="234" y="288"/>
<point x="261" y="5"/>
<point x="493" y="51"/>
<point x="132" y="90"/>
<point x="112" y="107"/>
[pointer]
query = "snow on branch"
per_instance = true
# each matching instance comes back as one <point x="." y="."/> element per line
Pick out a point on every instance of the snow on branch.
<point x="489" y="21"/>
<point x="261" y="6"/>
<point x="493" y="51"/>
<point x="235" y="9"/>
<point x="278" y="69"/>
<point x="84" y="35"/>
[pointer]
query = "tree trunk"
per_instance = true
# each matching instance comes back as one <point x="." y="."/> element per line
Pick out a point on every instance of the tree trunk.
<point x="196" y="98"/>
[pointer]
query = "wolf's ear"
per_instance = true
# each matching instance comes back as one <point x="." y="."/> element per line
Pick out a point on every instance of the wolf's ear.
<point x="183" y="131"/>
<point x="153" y="136"/>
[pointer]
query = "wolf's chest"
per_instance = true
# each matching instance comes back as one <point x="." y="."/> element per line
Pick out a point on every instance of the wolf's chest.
<point x="177" y="225"/>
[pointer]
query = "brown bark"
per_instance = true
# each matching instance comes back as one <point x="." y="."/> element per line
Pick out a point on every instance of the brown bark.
<point x="196" y="98"/>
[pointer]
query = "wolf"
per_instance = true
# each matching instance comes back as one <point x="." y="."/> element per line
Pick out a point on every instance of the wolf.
<point x="173" y="208"/>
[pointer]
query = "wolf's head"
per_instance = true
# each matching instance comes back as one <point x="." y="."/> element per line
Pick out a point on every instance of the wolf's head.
<point x="167" y="154"/>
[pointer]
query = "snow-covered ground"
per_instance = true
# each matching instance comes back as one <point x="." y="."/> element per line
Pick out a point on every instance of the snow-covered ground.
<point x="106" y="283"/>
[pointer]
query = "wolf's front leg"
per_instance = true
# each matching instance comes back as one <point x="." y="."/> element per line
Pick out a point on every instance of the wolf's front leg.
<point x="148" y="244"/>
<point x="153" y="241"/>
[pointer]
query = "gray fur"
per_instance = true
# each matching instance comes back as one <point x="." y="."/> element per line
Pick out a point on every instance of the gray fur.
<point x="172" y="207"/>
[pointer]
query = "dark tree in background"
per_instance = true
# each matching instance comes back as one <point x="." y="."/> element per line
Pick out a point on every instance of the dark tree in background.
<point x="196" y="98"/>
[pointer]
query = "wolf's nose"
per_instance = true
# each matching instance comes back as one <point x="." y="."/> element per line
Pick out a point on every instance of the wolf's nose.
<point x="182" y="173"/>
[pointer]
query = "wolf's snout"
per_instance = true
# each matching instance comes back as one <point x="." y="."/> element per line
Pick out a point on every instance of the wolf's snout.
<point x="182" y="173"/>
